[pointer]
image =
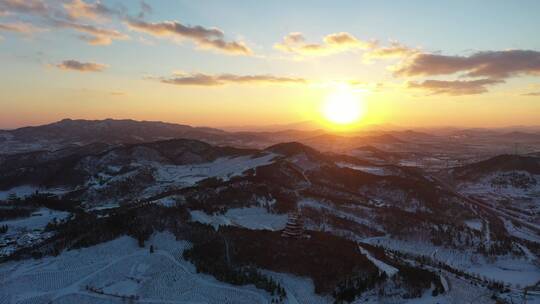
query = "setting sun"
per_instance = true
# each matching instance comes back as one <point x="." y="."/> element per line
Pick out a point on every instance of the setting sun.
<point x="343" y="107"/>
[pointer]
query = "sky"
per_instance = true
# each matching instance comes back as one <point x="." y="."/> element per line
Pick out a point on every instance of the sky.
<point x="233" y="63"/>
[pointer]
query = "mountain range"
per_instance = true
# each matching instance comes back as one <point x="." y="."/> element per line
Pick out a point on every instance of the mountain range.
<point x="384" y="215"/>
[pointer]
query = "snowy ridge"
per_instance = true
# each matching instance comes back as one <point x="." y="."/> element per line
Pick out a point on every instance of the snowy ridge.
<point x="376" y="170"/>
<point x="251" y="218"/>
<point x="388" y="269"/>
<point x="156" y="177"/>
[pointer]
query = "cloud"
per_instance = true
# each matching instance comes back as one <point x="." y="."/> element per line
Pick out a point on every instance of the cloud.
<point x="395" y="50"/>
<point x="93" y="35"/>
<point x="68" y="18"/>
<point x="455" y="87"/>
<point x="531" y="94"/>
<point x="212" y="38"/>
<point x="344" y="39"/>
<point x="79" y="9"/>
<point x="493" y="67"/>
<point x="491" y="64"/>
<point x="22" y="28"/>
<point x="295" y="42"/>
<point x="37" y="7"/>
<point x="200" y="79"/>
<point x="75" y="65"/>
<point x="73" y="10"/>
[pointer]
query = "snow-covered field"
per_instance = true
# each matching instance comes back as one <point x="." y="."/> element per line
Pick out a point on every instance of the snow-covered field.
<point x="26" y="190"/>
<point x="119" y="272"/>
<point x="460" y="293"/>
<point x="169" y="176"/>
<point x="251" y="218"/>
<point x="24" y="232"/>
<point x="319" y="205"/>
<point x="20" y="191"/>
<point x="475" y="224"/>
<point x="166" y="177"/>
<point x="520" y="232"/>
<point x="299" y="290"/>
<point x="520" y="271"/>
<point x="485" y="186"/>
<point x="38" y="220"/>
<point x="224" y="168"/>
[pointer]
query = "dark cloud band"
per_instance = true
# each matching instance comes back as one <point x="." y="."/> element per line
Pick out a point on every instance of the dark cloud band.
<point x="455" y="87"/>
<point x="203" y="37"/>
<point x="200" y="79"/>
<point x="492" y="64"/>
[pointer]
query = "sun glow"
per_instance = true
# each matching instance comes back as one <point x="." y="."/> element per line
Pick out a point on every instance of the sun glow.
<point x="343" y="107"/>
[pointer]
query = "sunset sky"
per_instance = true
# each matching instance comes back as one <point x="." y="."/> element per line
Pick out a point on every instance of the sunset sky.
<point x="233" y="63"/>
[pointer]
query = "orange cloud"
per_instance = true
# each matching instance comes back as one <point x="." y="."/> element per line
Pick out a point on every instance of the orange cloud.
<point x="94" y="35"/>
<point x="74" y="10"/>
<point x="212" y="38"/>
<point x="74" y="65"/>
<point x="296" y="43"/>
<point x="395" y="50"/>
<point x="97" y="11"/>
<point x="22" y="28"/>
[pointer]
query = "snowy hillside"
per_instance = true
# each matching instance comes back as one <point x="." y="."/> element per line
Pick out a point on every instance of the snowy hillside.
<point x="187" y="222"/>
<point x="118" y="271"/>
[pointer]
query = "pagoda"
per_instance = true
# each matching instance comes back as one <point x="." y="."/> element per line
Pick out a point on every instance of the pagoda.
<point x="294" y="227"/>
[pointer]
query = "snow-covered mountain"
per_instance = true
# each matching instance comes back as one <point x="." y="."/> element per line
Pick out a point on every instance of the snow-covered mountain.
<point x="69" y="132"/>
<point x="73" y="133"/>
<point x="373" y="230"/>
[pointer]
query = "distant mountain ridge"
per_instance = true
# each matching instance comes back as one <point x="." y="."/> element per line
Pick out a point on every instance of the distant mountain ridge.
<point x="79" y="132"/>
<point x="73" y="133"/>
<point x="108" y="130"/>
